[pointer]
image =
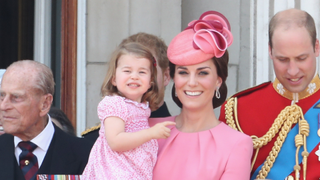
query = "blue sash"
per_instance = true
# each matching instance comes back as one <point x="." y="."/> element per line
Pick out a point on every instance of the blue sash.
<point x="283" y="165"/>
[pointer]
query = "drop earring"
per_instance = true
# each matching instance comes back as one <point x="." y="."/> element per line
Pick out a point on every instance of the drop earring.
<point x="217" y="93"/>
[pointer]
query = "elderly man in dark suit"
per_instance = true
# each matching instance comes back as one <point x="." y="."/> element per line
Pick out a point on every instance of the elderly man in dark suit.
<point x="32" y="143"/>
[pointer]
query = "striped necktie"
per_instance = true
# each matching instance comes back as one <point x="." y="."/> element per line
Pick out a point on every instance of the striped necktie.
<point x="28" y="161"/>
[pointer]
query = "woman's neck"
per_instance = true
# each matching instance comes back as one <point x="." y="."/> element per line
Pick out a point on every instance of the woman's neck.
<point x="196" y="120"/>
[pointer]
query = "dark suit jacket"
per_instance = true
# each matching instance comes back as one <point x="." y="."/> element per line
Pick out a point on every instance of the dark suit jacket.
<point x="66" y="155"/>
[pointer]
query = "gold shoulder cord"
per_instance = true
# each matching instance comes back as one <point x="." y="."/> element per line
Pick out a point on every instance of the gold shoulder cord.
<point x="90" y="129"/>
<point x="287" y="117"/>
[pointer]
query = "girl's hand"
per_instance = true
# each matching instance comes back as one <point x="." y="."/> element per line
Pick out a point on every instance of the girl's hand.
<point x="160" y="130"/>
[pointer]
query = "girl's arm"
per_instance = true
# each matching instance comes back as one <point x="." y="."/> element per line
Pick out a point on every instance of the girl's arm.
<point x="119" y="140"/>
<point x="239" y="163"/>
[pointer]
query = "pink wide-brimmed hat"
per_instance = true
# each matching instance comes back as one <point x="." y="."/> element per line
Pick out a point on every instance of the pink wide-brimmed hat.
<point x="203" y="39"/>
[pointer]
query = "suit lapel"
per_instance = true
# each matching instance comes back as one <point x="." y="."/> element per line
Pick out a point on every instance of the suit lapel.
<point x="57" y="155"/>
<point x="48" y="165"/>
<point x="8" y="162"/>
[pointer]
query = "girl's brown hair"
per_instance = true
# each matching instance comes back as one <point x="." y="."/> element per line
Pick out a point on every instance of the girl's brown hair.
<point x="153" y="95"/>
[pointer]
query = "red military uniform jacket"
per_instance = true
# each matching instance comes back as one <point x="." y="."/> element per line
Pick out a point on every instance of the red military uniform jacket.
<point x="256" y="110"/>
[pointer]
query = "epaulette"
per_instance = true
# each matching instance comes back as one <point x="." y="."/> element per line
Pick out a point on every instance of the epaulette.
<point x="249" y="90"/>
<point x="90" y="130"/>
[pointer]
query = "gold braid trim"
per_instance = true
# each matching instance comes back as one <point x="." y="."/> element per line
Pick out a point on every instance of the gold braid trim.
<point x="291" y="114"/>
<point x="230" y="107"/>
<point x="229" y="113"/>
<point x="90" y="129"/>
<point x="257" y="142"/>
<point x="287" y="117"/>
<point x="301" y="140"/>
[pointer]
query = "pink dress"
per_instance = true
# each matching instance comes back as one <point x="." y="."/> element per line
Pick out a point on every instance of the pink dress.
<point x="137" y="163"/>
<point x="220" y="153"/>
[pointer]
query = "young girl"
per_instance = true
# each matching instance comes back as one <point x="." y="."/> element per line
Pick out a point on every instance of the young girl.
<point x="126" y="147"/>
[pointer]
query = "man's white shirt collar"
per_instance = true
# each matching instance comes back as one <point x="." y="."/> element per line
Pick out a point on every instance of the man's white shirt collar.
<point x="42" y="140"/>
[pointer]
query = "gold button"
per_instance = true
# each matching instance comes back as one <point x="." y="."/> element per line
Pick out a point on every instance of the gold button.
<point x="290" y="177"/>
<point x="26" y="162"/>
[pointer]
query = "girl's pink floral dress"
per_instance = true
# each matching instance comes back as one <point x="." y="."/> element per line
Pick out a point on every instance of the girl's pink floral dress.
<point x="137" y="163"/>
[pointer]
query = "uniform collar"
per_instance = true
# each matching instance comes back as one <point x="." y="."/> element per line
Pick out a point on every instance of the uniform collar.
<point x="312" y="88"/>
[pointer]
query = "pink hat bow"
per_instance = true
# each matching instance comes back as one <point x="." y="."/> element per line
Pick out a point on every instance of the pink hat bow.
<point x="203" y="39"/>
<point x="212" y="33"/>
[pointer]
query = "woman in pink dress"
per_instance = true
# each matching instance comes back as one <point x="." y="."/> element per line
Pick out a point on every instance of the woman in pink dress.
<point x="200" y="146"/>
<point x="126" y="147"/>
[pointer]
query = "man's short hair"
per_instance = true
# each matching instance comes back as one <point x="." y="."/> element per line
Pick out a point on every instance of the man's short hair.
<point x="293" y="18"/>
<point x="43" y="77"/>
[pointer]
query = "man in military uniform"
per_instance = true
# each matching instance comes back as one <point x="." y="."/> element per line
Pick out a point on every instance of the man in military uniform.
<point x="159" y="50"/>
<point x="282" y="117"/>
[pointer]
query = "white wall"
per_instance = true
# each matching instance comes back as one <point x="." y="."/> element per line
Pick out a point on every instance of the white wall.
<point x="110" y="21"/>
